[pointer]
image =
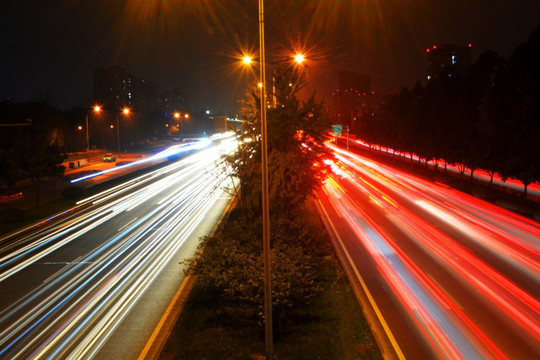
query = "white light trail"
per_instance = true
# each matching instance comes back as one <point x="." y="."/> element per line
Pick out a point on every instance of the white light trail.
<point x="74" y="311"/>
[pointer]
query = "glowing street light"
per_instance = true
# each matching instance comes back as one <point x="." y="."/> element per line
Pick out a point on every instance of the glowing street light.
<point x="126" y="112"/>
<point x="96" y="109"/>
<point x="299" y="58"/>
<point x="246" y="60"/>
<point x="178" y="115"/>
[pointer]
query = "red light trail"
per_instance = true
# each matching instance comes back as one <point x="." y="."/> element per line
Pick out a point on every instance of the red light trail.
<point x="464" y="272"/>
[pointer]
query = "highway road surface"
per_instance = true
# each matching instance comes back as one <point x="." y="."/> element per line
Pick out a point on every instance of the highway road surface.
<point x="444" y="275"/>
<point x="95" y="281"/>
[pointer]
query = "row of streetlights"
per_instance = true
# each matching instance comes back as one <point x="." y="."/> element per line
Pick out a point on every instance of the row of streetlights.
<point x="177" y="116"/>
<point x="97" y="109"/>
<point x="124" y="112"/>
<point x="299" y="59"/>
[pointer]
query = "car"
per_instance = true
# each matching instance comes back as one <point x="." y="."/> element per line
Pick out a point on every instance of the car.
<point x="109" y="158"/>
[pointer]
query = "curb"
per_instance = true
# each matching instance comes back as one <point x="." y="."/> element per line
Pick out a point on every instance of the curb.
<point x="163" y="330"/>
<point x="160" y="336"/>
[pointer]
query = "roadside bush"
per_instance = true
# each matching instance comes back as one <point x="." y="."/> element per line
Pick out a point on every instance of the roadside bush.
<point x="230" y="267"/>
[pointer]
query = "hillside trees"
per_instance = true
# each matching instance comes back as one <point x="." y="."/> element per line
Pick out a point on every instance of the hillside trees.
<point x="488" y="118"/>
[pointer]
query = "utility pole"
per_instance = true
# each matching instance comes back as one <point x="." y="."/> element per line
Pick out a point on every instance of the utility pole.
<point x="265" y="210"/>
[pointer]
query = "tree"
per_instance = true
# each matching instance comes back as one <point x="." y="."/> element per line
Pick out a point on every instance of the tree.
<point x="229" y="264"/>
<point x="296" y="153"/>
<point x="35" y="150"/>
<point x="511" y="110"/>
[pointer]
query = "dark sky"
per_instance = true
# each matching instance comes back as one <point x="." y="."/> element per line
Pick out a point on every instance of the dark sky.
<point x="54" y="46"/>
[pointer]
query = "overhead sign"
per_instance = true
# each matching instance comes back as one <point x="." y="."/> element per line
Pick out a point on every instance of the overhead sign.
<point x="337" y="129"/>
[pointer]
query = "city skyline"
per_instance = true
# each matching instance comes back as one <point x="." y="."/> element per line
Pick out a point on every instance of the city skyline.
<point x="193" y="47"/>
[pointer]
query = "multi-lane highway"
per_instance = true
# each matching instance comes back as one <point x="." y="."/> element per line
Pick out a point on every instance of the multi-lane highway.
<point x="443" y="274"/>
<point x="91" y="283"/>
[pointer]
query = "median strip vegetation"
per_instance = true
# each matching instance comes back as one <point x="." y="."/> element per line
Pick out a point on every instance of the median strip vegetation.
<point x="316" y="315"/>
<point x="314" y="312"/>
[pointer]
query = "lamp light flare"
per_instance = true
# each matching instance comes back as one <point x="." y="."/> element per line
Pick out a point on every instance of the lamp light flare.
<point x="299" y="58"/>
<point x="246" y="60"/>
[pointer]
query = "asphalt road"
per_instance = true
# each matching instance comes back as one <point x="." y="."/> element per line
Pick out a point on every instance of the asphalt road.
<point x="95" y="282"/>
<point x="445" y="275"/>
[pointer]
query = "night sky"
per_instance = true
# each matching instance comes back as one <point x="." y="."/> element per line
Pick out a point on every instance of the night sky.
<point x="193" y="45"/>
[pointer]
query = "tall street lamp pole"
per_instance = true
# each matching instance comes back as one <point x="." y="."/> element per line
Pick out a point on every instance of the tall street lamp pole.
<point x="87" y="139"/>
<point x="117" y="134"/>
<point x="125" y="111"/>
<point x="265" y="209"/>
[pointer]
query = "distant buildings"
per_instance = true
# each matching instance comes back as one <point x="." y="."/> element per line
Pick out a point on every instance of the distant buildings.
<point x="351" y="100"/>
<point x="354" y="99"/>
<point x="171" y="102"/>
<point x="115" y="88"/>
<point x="447" y="58"/>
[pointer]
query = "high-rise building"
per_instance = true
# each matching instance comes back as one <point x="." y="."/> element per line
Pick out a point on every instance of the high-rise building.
<point x="172" y="101"/>
<point x="115" y="88"/>
<point x="112" y="87"/>
<point x="449" y="59"/>
<point x="351" y="99"/>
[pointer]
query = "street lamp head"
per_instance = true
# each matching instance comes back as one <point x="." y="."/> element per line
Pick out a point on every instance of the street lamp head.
<point x="176" y="115"/>
<point x="97" y="108"/>
<point x="299" y="58"/>
<point x="125" y="111"/>
<point x="246" y="60"/>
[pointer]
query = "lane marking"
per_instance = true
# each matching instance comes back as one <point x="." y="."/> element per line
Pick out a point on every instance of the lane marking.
<point x="125" y="226"/>
<point x="163" y="329"/>
<point x="157" y="345"/>
<point x="372" y="302"/>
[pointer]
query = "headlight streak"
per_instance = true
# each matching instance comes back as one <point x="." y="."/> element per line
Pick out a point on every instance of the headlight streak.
<point x="514" y="239"/>
<point x="107" y="195"/>
<point x="173" y="150"/>
<point x="120" y="270"/>
<point x="25" y="252"/>
<point x="94" y="341"/>
<point x="106" y="295"/>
